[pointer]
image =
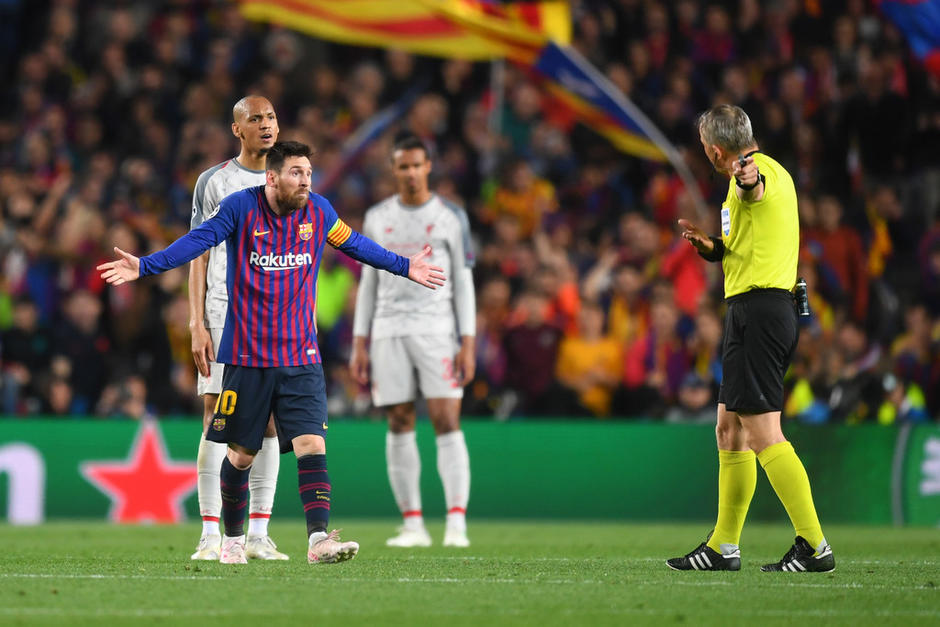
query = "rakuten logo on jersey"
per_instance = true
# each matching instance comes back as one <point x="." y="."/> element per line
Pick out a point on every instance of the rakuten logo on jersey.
<point x="274" y="263"/>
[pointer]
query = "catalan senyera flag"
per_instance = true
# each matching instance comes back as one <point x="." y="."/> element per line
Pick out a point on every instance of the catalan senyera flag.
<point x="471" y="29"/>
<point x="532" y="34"/>
<point x="578" y="85"/>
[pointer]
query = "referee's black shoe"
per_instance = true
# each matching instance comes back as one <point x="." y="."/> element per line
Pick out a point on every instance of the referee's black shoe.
<point x="803" y="558"/>
<point x="706" y="558"/>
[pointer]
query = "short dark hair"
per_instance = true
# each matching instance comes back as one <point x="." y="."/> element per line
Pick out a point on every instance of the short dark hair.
<point x="280" y="151"/>
<point x="406" y="140"/>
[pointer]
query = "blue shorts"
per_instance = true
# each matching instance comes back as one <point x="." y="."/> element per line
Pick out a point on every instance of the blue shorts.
<point x="296" y="395"/>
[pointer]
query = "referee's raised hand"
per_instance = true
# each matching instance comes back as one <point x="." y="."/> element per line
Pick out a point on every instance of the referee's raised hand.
<point x="420" y="271"/>
<point x="696" y="236"/>
<point x="125" y="269"/>
<point x="745" y="171"/>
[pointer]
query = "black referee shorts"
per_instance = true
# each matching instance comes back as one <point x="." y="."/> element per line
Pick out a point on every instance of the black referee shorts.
<point x="760" y="337"/>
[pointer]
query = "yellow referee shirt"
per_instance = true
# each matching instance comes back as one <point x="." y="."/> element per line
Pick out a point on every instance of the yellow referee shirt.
<point x="762" y="239"/>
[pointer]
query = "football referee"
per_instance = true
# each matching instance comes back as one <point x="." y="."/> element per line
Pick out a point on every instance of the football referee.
<point x="757" y="249"/>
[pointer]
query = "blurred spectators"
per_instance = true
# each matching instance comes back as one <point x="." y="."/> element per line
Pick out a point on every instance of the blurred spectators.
<point x="836" y="251"/>
<point x="695" y="402"/>
<point x="590" y="363"/>
<point x="656" y="362"/>
<point x="111" y="110"/>
<point x="531" y="347"/>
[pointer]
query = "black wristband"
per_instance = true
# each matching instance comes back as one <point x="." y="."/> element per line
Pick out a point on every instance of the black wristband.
<point x="747" y="188"/>
<point x="717" y="252"/>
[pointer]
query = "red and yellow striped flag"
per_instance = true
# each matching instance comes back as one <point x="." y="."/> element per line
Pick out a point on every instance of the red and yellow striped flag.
<point x="469" y="29"/>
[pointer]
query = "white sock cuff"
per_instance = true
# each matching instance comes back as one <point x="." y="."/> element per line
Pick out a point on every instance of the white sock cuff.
<point x="449" y="439"/>
<point x="262" y="482"/>
<point x="401" y="439"/>
<point x="209" y="459"/>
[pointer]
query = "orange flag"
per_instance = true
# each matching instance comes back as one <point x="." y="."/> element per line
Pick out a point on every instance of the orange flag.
<point x="469" y="29"/>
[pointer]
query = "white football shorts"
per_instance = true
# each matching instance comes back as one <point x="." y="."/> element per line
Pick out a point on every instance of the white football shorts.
<point x="213" y="383"/>
<point x="402" y="364"/>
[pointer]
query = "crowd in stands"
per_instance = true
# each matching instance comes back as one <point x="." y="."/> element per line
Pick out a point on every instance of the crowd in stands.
<point x="589" y="304"/>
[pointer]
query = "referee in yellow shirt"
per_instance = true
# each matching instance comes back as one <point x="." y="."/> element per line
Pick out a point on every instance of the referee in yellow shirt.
<point x="758" y="249"/>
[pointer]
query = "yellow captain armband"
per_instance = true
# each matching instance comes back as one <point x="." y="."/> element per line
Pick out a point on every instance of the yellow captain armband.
<point x="338" y="233"/>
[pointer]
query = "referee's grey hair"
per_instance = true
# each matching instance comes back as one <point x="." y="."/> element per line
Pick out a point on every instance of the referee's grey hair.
<point x="726" y="126"/>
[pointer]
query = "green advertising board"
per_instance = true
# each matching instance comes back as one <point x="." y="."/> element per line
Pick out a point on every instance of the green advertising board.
<point x="145" y="472"/>
<point x="917" y="476"/>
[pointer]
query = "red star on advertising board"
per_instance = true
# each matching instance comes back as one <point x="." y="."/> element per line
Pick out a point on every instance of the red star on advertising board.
<point x="147" y="487"/>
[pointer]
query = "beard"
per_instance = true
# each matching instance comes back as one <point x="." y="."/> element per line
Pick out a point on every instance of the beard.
<point x="291" y="201"/>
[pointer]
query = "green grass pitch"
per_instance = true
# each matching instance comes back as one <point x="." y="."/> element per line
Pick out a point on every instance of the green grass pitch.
<point x="516" y="573"/>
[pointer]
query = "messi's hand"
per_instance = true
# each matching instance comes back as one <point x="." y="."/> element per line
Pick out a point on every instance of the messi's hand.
<point x="123" y="270"/>
<point x="420" y="271"/>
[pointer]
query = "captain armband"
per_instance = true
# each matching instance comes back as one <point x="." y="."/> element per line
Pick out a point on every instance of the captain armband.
<point x="717" y="252"/>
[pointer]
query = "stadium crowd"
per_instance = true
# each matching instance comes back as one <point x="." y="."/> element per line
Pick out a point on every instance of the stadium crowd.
<point x="589" y="303"/>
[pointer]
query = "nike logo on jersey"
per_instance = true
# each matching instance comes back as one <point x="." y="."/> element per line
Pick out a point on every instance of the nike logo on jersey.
<point x="260" y="233"/>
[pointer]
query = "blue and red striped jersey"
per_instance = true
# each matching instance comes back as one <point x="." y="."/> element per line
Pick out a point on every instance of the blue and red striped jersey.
<point x="273" y="262"/>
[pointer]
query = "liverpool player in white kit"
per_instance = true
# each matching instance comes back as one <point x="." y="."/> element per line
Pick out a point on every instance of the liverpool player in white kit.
<point x="255" y="125"/>
<point x="414" y="341"/>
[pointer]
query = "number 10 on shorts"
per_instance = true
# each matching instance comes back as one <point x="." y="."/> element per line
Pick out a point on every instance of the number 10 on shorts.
<point x="225" y="405"/>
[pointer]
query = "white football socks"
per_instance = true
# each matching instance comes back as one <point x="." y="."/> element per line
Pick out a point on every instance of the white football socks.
<point x="262" y="483"/>
<point x="404" y="475"/>
<point x="453" y="464"/>
<point x="208" y="464"/>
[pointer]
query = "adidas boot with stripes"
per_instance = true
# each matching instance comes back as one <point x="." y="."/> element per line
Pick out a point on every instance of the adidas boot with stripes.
<point x="802" y="558"/>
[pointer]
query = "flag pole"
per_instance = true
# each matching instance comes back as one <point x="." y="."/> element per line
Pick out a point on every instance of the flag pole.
<point x="647" y="126"/>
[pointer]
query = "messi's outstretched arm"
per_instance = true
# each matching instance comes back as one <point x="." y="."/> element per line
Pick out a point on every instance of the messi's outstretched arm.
<point x="130" y="268"/>
<point x="363" y="249"/>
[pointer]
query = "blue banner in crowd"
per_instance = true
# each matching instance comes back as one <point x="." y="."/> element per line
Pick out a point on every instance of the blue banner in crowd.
<point x="919" y="20"/>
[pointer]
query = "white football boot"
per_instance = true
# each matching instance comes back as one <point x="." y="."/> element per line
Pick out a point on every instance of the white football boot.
<point x="233" y="550"/>
<point x="410" y="537"/>
<point x="263" y="548"/>
<point x="456" y="537"/>
<point x="327" y="548"/>
<point x="209" y="548"/>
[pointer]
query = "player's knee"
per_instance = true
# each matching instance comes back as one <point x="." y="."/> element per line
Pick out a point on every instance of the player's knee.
<point x="309" y="445"/>
<point x="208" y="410"/>
<point x="446" y="423"/>
<point x="728" y="435"/>
<point x="401" y="418"/>
<point x="758" y="441"/>
<point x="444" y="414"/>
<point x="239" y="457"/>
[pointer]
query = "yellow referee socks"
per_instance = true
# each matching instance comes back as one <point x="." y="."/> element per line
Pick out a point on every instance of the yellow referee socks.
<point x="737" y="476"/>
<point x="788" y="478"/>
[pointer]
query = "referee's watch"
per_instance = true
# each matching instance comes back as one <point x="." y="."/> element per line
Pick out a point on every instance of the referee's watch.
<point x="747" y="188"/>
